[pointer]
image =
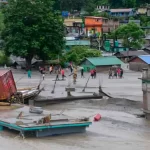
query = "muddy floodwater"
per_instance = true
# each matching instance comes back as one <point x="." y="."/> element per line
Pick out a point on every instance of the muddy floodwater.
<point x="119" y="128"/>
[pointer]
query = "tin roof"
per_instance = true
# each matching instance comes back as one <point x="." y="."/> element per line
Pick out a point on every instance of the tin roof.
<point x="132" y="53"/>
<point x="145" y="58"/>
<point x="105" y="61"/>
<point x="3" y="71"/>
<point x="77" y="42"/>
<point x="121" y="10"/>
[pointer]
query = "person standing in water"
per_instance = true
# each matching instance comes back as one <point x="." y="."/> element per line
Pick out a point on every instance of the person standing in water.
<point x="29" y="73"/>
<point x="82" y="73"/>
<point x="62" y="73"/>
<point x="92" y="73"/>
<point x="110" y="73"/>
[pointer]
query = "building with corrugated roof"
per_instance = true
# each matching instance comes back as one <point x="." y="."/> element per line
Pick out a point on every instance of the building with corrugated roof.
<point x="101" y="63"/>
<point x="129" y="12"/>
<point x="139" y="62"/>
<point x="127" y="55"/>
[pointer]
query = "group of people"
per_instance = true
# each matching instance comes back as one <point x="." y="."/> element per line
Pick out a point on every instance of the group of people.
<point x="115" y="72"/>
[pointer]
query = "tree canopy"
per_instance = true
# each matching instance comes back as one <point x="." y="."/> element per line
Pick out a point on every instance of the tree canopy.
<point x="79" y="53"/>
<point x="32" y="28"/>
<point x="131" y="34"/>
<point x="90" y="5"/>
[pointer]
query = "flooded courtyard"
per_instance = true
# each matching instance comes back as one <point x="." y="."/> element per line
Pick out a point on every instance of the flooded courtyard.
<point x="118" y="129"/>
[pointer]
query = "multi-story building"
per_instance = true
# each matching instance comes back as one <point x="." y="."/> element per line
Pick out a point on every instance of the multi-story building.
<point x="122" y="12"/>
<point x="99" y="24"/>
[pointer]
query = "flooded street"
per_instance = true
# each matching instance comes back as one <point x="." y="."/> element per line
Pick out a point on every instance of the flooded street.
<point x="119" y="128"/>
<point x="116" y="130"/>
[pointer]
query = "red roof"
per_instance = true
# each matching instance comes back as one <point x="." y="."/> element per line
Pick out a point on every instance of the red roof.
<point x="2" y="72"/>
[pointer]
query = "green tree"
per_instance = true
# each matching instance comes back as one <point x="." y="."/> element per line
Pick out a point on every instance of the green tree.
<point x="79" y="53"/>
<point x="3" y="59"/>
<point x="129" y="3"/>
<point x="69" y="5"/>
<point x="32" y="28"/>
<point x="131" y="34"/>
<point x="1" y="21"/>
<point x="90" y="6"/>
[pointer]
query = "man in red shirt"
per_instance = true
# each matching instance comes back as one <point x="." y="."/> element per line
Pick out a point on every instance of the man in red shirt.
<point x="92" y="73"/>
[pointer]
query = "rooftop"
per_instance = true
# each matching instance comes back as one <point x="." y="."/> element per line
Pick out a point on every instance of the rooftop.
<point x="104" y="61"/>
<point x="95" y="17"/>
<point x="78" y="42"/>
<point x="3" y="71"/>
<point x="132" y="53"/>
<point x="121" y="10"/>
<point x="145" y="58"/>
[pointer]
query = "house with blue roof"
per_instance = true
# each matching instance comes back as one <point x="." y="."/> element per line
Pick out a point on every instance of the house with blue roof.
<point x="139" y="62"/>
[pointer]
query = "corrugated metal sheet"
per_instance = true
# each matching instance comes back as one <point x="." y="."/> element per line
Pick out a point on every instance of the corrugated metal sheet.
<point x="105" y="61"/>
<point x="7" y="84"/>
<point x="132" y="53"/>
<point x="2" y="72"/>
<point x="145" y="58"/>
<point x="120" y="10"/>
<point x="75" y="42"/>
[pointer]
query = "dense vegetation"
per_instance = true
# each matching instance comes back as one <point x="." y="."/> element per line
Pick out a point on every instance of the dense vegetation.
<point x="90" y="5"/>
<point x="131" y="34"/>
<point x="32" y="28"/>
<point x="79" y="53"/>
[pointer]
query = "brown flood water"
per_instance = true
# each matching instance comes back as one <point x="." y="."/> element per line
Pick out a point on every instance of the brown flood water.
<point x="119" y="129"/>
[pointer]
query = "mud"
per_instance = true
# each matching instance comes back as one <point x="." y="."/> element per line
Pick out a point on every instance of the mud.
<point x="119" y="128"/>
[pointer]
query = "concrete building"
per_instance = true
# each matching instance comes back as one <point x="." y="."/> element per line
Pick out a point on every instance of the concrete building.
<point x="101" y="63"/>
<point x="139" y="62"/>
<point x="102" y="8"/>
<point x="109" y="25"/>
<point x="93" y="25"/>
<point x="74" y="26"/>
<point x="97" y="25"/>
<point x="122" y="12"/>
<point x="143" y="11"/>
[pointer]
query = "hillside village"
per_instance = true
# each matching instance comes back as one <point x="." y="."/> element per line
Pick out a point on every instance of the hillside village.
<point x="96" y="29"/>
<point x="78" y="69"/>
